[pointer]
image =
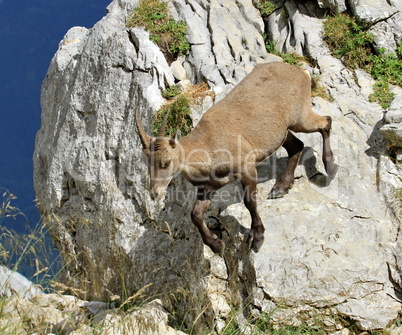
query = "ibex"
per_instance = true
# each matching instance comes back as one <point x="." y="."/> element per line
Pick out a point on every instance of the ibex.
<point x="234" y="136"/>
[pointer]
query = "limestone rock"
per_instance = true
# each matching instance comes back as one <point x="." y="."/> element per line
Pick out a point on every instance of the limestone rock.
<point x="225" y="38"/>
<point x="54" y="313"/>
<point x="337" y="6"/>
<point x="393" y="133"/>
<point x="384" y="18"/>
<point x="392" y="129"/>
<point x="383" y="37"/>
<point x="332" y="248"/>
<point x="12" y="282"/>
<point x="297" y="29"/>
<point x="95" y="168"/>
<point x="184" y="85"/>
<point x="368" y="12"/>
<point x="178" y="70"/>
<point x="388" y="33"/>
<point x="150" y="57"/>
<point x="365" y="82"/>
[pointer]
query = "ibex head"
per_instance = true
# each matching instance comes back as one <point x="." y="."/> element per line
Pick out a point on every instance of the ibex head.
<point x="163" y="157"/>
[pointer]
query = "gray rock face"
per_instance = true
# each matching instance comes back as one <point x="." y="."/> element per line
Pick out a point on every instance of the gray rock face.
<point x="392" y="130"/>
<point x="369" y="12"/>
<point x="286" y="27"/>
<point x="12" y="282"/>
<point x="93" y="191"/>
<point x="226" y="41"/>
<point x="331" y="248"/>
<point x="337" y="6"/>
<point x="383" y="18"/>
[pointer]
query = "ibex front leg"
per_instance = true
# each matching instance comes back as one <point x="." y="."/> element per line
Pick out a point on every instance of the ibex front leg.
<point x="256" y="234"/>
<point x="197" y="216"/>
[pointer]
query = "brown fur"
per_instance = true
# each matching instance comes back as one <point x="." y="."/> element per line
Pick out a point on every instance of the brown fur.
<point x="236" y="134"/>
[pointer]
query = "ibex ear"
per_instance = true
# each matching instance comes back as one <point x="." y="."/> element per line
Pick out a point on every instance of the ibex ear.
<point x="174" y="141"/>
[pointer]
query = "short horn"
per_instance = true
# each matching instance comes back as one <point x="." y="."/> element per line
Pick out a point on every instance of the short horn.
<point x="161" y="134"/>
<point x="144" y="137"/>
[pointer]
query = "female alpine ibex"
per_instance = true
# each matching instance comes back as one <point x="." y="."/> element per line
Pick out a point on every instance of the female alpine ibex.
<point x="234" y="136"/>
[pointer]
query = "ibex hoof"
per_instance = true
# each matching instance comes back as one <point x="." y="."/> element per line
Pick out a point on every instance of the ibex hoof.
<point x="277" y="193"/>
<point x="331" y="170"/>
<point x="217" y="246"/>
<point x="255" y="240"/>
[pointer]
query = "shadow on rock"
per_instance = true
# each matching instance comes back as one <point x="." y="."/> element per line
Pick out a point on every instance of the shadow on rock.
<point x="376" y="142"/>
<point x="239" y="263"/>
<point x="314" y="176"/>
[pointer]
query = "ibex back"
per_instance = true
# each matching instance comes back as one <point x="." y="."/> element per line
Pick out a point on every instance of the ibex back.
<point x="234" y="136"/>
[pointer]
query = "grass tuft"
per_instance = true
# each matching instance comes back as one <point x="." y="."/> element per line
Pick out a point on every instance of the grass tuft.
<point x="178" y="114"/>
<point x="350" y="43"/>
<point x="347" y="40"/>
<point x="170" y="35"/>
<point x="292" y="58"/>
<point x="263" y="324"/>
<point x="178" y="108"/>
<point x="266" y="7"/>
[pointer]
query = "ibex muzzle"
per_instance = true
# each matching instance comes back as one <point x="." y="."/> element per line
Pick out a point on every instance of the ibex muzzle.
<point x="234" y="136"/>
<point x="162" y="155"/>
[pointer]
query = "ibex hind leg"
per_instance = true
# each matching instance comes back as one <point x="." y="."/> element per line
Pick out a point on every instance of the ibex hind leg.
<point x="322" y="124"/>
<point x="294" y="147"/>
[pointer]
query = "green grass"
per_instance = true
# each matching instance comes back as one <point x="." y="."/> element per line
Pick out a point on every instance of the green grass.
<point x="266" y="7"/>
<point x="177" y="109"/>
<point x="353" y="45"/>
<point x="178" y="114"/>
<point x="387" y="66"/>
<point x="382" y="95"/>
<point x="169" y="34"/>
<point x="171" y="92"/>
<point x="292" y="58"/>
<point x="347" y="40"/>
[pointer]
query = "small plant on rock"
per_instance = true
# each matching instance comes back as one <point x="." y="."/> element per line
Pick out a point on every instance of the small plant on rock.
<point x="178" y="116"/>
<point x="169" y="34"/>
<point x="266" y="7"/>
<point x="387" y="66"/>
<point x="177" y="109"/>
<point x="382" y="94"/>
<point x="291" y="58"/>
<point x="347" y="40"/>
<point x="171" y="92"/>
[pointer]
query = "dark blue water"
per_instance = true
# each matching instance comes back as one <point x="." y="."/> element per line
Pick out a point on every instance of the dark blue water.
<point x="29" y="35"/>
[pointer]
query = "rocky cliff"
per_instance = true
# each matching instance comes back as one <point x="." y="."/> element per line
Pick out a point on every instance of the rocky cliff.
<point x="332" y="250"/>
